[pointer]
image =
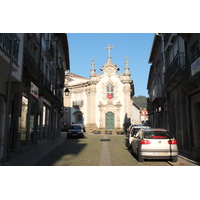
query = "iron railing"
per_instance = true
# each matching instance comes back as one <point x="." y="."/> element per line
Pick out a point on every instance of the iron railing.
<point x="5" y="44"/>
<point x="78" y="103"/>
<point x="157" y="92"/>
<point x="49" y="49"/>
<point x="177" y="64"/>
<point x="190" y="78"/>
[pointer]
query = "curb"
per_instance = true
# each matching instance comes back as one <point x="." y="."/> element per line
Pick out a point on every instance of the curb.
<point x="184" y="161"/>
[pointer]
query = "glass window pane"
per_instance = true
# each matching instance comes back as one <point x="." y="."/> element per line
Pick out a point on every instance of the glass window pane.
<point x="23" y="121"/>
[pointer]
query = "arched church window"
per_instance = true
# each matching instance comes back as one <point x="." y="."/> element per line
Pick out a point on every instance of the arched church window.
<point x="110" y="91"/>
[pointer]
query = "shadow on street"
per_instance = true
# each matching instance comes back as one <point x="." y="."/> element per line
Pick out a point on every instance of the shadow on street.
<point x="71" y="146"/>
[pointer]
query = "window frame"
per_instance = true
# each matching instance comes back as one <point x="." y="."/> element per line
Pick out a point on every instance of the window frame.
<point x="110" y="90"/>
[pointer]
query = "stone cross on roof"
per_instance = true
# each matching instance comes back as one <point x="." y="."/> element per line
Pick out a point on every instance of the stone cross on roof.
<point x="109" y="47"/>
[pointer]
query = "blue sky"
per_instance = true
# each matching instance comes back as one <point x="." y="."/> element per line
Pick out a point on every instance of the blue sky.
<point x="83" y="47"/>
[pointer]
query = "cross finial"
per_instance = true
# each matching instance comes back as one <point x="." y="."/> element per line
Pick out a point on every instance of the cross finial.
<point x="127" y="61"/>
<point x="109" y="47"/>
<point x="127" y="68"/>
<point x="93" y="63"/>
<point x="92" y="70"/>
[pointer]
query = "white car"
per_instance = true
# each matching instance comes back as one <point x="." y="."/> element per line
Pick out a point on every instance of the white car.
<point x="154" y="144"/>
<point x="128" y="129"/>
<point x="133" y="131"/>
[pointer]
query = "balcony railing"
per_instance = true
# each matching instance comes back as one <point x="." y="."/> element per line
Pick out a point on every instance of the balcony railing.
<point x="49" y="50"/>
<point x="5" y="44"/>
<point x="61" y="72"/>
<point x="191" y="76"/>
<point x="175" y="67"/>
<point x="31" y="66"/>
<point x="78" y="103"/>
<point x="59" y="62"/>
<point x="157" y="92"/>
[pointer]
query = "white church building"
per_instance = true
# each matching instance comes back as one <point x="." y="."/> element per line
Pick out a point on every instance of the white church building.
<point x="103" y="101"/>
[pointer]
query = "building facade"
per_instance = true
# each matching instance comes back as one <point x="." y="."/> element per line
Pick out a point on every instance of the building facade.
<point x="103" y="102"/>
<point x="11" y="65"/>
<point x="136" y="117"/>
<point x="156" y="99"/>
<point x="144" y="118"/>
<point x="173" y="87"/>
<point x="191" y="91"/>
<point x="36" y="99"/>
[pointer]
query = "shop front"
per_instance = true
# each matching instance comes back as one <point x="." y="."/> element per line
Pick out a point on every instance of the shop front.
<point x="39" y="119"/>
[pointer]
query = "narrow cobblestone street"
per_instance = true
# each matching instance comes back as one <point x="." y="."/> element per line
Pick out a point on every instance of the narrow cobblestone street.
<point x="95" y="150"/>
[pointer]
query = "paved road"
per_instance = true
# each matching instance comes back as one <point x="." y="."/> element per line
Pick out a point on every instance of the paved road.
<point x="95" y="150"/>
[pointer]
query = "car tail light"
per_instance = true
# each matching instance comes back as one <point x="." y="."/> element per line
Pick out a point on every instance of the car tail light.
<point x="172" y="141"/>
<point x="145" y="142"/>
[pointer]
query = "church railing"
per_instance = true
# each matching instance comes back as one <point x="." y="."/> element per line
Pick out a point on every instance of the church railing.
<point x="78" y="103"/>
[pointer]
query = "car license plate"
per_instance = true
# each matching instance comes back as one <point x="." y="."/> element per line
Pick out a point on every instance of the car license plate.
<point x="160" y="153"/>
<point x="74" y="134"/>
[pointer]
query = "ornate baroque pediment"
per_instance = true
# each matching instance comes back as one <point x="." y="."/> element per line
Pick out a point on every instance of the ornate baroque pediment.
<point x="109" y="68"/>
<point x="110" y="105"/>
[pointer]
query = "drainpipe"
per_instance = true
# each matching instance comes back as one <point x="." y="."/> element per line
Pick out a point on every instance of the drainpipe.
<point x="8" y="100"/>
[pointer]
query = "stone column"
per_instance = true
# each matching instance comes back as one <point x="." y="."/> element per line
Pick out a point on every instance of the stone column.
<point x="127" y="105"/>
<point x="101" y="115"/>
<point x="127" y="95"/>
<point x="91" y="109"/>
<point x="118" y="107"/>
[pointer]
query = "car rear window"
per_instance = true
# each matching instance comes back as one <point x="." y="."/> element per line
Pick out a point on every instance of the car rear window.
<point x="158" y="135"/>
<point x="75" y="127"/>
<point x="134" y="131"/>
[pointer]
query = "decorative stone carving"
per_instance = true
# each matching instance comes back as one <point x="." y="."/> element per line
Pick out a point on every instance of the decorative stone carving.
<point x="118" y="104"/>
<point x="109" y="107"/>
<point x="104" y="90"/>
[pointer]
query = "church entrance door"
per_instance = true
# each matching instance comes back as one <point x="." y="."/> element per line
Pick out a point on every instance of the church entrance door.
<point x="109" y="121"/>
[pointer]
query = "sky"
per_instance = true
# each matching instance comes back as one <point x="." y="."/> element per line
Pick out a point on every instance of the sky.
<point x="83" y="47"/>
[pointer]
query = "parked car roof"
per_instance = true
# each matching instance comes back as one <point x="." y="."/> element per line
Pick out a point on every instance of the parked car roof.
<point x="156" y="129"/>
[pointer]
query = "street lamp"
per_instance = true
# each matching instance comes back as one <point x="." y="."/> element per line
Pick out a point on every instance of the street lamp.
<point x="66" y="92"/>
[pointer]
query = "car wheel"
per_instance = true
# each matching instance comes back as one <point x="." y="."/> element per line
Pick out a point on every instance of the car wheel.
<point x="139" y="157"/>
<point x="175" y="159"/>
<point x="131" y="150"/>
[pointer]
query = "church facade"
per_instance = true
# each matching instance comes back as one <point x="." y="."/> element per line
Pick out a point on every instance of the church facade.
<point x="101" y="102"/>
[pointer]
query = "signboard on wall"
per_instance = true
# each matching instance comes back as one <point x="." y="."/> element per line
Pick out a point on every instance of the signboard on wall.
<point x="34" y="90"/>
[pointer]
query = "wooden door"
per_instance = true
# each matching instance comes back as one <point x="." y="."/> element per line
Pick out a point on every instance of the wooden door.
<point x="109" y="121"/>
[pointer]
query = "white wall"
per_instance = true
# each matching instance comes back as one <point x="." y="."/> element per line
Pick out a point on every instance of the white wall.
<point x="136" y="115"/>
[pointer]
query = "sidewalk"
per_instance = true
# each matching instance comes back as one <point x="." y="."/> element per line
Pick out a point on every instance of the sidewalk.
<point x="184" y="161"/>
<point x="32" y="157"/>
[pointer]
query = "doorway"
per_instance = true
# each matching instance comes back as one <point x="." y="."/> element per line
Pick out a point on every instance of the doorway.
<point x="110" y="121"/>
